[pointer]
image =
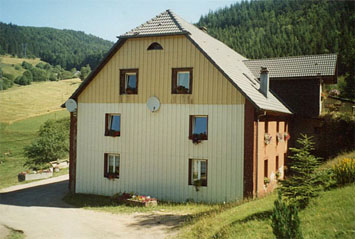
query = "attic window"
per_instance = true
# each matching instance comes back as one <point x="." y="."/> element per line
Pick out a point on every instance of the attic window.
<point x="128" y="81"/>
<point x="155" y="46"/>
<point x="181" y="81"/>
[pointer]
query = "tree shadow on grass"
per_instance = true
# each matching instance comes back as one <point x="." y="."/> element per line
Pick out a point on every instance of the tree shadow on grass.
<point x="259" y="216"/>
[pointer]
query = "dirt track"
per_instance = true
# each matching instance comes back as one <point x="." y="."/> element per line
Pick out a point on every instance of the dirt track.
<point x="37" y="209"/>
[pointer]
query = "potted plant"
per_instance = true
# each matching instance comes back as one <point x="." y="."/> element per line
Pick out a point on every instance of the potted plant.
<point x="182" y="90"/>
<point x="196" y="139"/>
<point x="267" y="138"/>
<point x="198" y="184"/>
<point x="278" y="174"/>
<point x="279" y="137"/>
<point x="287" y="136"/>
<point x="266" y="181"/>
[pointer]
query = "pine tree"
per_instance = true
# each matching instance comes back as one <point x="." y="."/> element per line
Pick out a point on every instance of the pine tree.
<point x="303" y="184"/>
<point x="285" y="221"/>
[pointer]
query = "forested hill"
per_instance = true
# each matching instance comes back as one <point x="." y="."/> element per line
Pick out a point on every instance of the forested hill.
<point x="67" y="48"/>
<point x="272" y="28"/>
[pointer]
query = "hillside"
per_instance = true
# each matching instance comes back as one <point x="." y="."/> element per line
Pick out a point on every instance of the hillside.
<point x="273" y="28"/>
<point x="66" y="48"/>
<point x="36" y="99"/>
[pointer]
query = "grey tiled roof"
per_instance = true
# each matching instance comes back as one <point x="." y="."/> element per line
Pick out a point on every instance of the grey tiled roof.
<point x="295" y="66"/>
<point x="162" y="24"/>
<point x="231" y="64"/>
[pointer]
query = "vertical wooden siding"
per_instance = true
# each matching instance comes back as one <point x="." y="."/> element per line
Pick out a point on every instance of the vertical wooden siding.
<point x="155" y="149"/>
<point x="155" y="69"/>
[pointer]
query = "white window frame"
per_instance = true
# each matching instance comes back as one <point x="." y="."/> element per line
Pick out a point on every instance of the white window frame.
<point x="115" y="157"/>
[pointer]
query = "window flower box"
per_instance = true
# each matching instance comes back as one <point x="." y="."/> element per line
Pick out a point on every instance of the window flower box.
<point x="279" y="137"/>
<point x="287" y="136"/>
<point x="267" y="138"/>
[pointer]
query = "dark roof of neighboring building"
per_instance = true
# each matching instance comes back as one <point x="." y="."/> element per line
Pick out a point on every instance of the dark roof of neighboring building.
<point x="296" y="66"/>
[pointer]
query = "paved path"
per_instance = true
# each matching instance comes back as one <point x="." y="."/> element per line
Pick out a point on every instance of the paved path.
<point x="37" y="209"/>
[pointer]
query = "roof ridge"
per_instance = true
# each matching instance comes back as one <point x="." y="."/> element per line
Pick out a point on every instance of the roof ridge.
<point x="172" y="15"/>
<point x="282" y="57"/>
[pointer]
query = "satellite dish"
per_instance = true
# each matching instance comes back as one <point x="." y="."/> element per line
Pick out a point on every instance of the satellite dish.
<point x="71" y="105"/>
<point x="153" y="104"/>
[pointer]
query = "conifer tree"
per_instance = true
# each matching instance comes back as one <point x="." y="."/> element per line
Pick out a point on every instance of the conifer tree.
<point x="302" y="184"/>
<point x="285" y="221"/>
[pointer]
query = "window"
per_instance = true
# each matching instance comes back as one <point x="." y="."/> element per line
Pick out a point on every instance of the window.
<point x="155" y="46"/>
<point x="129" y="81"/>
<point x="198" y="127"/>
<point x="277" y="126"/>
<point x="266" y="169"/>
<point x="112" y="125"/>
<point x="277" y="164"/>
<point x="181" y="81"/>
<point x="198" y="172"/>
<point x="112" y="166"/>
<point x="266" y="126"/>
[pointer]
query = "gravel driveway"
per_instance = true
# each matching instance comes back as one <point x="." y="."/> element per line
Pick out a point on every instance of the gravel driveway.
<point x="37" y="209"/>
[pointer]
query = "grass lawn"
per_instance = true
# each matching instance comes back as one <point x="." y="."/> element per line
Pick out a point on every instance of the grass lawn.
<point x="106" y="204"/>
<point x="38" y="98"/>
<point x="13" y="138"/>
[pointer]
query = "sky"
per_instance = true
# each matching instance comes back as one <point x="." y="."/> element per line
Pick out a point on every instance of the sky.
<point x="106" y="18"/>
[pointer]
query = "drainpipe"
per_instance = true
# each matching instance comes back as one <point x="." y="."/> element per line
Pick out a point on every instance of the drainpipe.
<point x="257" y="149"/>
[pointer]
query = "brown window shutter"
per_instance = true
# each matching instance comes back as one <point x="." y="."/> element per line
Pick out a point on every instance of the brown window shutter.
<point x="190" y="168"/>
<point x="190" y="127"/>
<point x="105" y="165"/>
<point x="190" y="90"/>
<point x="106" y="124"/>
<point x="204" y="183"/>
<point x="122" y="82"/>
<point x="136" y="90"/>
<point x="173" y="81"/>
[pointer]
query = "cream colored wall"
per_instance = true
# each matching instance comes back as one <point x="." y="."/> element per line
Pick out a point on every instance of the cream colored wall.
<point x="155" y="149"/>
<point x="155" y="69"/>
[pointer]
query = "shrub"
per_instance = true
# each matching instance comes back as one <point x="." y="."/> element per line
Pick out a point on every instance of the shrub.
<point x="52" y="144"/>
<point x="303" y="183"/>
<point x="344" y="171"/>
<point x="26" y="65"/>
<point x="17" y="67"/>
<point x="285" y="221"/>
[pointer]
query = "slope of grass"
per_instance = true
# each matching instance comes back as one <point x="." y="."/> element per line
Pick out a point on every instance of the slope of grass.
<point x="7" y="59"/>
<point x="331" y="215"/>
<point x="13" y="137"/>
<point x="8" y="63"/>
<point x="39" y="98"/>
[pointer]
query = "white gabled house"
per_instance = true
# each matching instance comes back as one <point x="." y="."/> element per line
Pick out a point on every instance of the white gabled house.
<point x="170" y="110"/>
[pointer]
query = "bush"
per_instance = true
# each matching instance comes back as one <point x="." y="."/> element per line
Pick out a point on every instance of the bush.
<point x="337" y="134"/>
<point x="344" y="171"/>
<point x="303" y="183"/>
<point x="26" y="65"/>
<point x="285" y="221"/>
<point x="17" y="67"/>
<point x="52" y="144"/>
<point x="22" y="80"/>
<point x="39" y="74"/>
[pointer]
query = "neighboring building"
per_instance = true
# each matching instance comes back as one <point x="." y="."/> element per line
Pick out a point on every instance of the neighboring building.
<point x="170" y="110"/>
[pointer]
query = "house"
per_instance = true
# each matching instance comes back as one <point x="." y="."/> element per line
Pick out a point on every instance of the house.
<point x="173" y="113"/>
<point x="298" y="81"/>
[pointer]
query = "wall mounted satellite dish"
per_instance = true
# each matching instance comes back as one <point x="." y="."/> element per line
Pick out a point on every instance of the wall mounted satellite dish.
<point x="71" y="105"/>
<point x="153" y="104"/>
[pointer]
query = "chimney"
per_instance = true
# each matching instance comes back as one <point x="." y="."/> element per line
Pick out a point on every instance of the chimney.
<point x="204" y="29"/>
<point x="264" y="81"/>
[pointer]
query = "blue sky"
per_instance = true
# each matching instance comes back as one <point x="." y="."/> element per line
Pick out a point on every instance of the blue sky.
<point x="106" y="18"/>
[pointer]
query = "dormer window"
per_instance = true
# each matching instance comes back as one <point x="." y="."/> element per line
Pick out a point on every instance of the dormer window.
<point x="182" y="80"/>
<point x="128" y="81"/>
<point x="155" y="46"/>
